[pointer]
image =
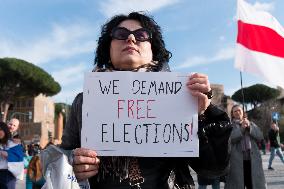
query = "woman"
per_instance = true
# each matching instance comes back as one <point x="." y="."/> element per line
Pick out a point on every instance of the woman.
<point x="134" y="43"/>
<point x="34" y="173"/>
<point x="10" y="150"/>
<point x="245" y="162"/>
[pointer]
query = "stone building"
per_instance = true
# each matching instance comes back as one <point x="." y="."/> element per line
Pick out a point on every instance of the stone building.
<point x="220" y="99"/>
<point x="36" y="117"/>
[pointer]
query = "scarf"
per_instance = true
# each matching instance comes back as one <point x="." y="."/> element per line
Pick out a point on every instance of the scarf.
<point x="245" y="142"/>
<point x="118" y="167"/>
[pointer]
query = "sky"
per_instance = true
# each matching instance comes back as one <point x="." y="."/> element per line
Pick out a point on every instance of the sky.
<point x="60" y="36"/>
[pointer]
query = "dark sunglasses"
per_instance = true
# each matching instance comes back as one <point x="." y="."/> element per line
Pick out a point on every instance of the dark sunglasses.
<point x="121" y="33"/>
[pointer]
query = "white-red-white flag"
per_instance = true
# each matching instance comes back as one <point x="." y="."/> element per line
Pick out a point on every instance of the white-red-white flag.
<point x="260" y="44"/>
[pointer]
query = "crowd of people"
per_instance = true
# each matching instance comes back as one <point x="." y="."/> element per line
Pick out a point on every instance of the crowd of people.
<point x="16" y="161"/>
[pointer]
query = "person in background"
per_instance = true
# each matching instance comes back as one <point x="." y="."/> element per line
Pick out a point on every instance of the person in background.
<point x="30" y="149"/>
<point x="246" y="169"/>
<point x="10" y="154"/>
<point x="275" y="148"/>
<point x="134" y="43"/>
<point x="36" y="149"/>
<point x="27" y="159"/>
<point x="34" y="178"/>
<point x="13" y="126"/>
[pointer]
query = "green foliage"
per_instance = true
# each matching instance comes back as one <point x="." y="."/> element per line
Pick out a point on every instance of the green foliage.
<point x="255" y="94"/>
<point x="58" y="108"/>
<point x="62" y="107"/>
<point x="20" y="78"/>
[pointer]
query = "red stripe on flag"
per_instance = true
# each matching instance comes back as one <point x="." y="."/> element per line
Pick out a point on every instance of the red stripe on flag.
<point x="261" y="39"/>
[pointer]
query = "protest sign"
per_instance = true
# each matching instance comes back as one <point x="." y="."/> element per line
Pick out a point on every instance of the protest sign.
<point x="139" y="114"/>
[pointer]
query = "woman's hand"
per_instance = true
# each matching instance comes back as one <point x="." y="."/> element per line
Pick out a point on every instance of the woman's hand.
<point x="245" y="123"/>
<point x="199" y="85"/>
<point x="85" y="163"/>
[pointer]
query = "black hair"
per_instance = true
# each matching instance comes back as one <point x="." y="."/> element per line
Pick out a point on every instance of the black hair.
<point x="4" y="127"/>
<point x="160" y="53"/>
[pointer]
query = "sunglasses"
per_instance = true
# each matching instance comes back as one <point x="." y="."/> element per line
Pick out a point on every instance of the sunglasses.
<point x="121" y="33"/>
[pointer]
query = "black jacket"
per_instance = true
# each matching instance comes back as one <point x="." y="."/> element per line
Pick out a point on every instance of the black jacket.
<point x="214" y="132"/>
<point x="272" y="134"/>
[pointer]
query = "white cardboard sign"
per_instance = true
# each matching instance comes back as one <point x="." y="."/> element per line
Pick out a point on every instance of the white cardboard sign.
<point x="139" y="114"/>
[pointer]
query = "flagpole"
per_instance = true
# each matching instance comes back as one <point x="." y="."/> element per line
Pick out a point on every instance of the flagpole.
<point x="242" y="89"/>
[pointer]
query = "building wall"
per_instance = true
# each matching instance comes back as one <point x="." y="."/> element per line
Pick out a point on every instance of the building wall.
<point x="218" y="93"/>
<point x="44" y="114"/>
<point x="41" y="125"/>
<point x="220" y="99"/>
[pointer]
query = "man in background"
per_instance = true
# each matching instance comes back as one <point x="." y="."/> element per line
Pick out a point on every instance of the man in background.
<point x="274" y="139"/>
<point x="13" y="126"/>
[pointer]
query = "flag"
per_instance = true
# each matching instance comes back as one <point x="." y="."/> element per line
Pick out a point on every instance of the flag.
<point x="260" y="44"/>
<point x="16" y="160"/>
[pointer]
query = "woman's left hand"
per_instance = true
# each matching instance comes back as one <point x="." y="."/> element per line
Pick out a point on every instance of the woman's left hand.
<point x="199" y="85"/>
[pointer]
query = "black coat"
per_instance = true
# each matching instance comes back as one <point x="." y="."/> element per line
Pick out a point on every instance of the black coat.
<point x="214" y="132"/>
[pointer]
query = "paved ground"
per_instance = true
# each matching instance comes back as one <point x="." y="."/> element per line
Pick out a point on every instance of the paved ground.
<point x="274" y="179"/>
<point x="20" y="184"/>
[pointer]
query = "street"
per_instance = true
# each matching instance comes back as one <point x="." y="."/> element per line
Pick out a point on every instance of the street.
<point x="274" y="179"/>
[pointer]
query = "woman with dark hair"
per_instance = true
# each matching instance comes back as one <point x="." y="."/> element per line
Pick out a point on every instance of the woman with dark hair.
<point x="134" y="43"/>
<point x="9" y="151"/>
<point x="245" y="162"/>
<point x="149" y="28"/>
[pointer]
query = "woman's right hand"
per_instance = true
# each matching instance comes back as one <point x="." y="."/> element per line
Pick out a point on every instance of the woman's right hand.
<point x="245" y="123"/>
<point x="85" y="163"/>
